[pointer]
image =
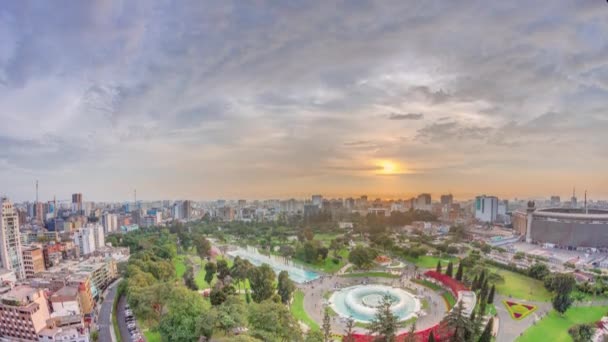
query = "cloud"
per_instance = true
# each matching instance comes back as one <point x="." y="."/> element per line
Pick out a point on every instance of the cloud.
<point x="408" y="116"/>
<point x="205" y="99"/>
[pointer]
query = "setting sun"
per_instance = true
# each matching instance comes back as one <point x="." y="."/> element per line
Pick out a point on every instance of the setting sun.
<point x="388" y="167"/>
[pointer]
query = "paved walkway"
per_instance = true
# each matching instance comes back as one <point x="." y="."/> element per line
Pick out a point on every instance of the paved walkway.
<point x="509" y="328"/>
<point x="314" y="302"/>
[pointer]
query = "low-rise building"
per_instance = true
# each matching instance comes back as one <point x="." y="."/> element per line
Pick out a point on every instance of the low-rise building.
<point x="23" y="314"/>
<point x="33" y="260"/>
<point x="66" y="302"/>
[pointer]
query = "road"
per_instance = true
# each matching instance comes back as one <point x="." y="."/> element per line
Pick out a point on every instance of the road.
<point x="105" y="315"/>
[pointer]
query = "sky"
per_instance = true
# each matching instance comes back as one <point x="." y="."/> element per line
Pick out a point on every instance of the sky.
<point x="277" y="99"/>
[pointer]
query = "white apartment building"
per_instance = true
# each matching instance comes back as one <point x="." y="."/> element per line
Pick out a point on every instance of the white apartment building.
<point x="486" y="208"/>
<point x="11" y="257"/>
<point x="89" y="238"/>
<point x="109" y="222"/>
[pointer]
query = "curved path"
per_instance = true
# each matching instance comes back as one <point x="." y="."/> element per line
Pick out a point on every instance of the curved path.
<point x="314" y="302"/>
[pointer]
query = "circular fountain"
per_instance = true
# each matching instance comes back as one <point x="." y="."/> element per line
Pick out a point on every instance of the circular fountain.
<point x="361" y="302"/>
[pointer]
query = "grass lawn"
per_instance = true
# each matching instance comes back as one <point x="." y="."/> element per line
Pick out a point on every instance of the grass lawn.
<point x="180" y="266"/>
<point x="327" y="265"/>
<point x="554" y="327"/>
<point x="297" y="310"/>
<point x="427" y="261"/>
<point x="152" y="336"/>
<point x="326" y="238"/>
<point x="519" y="286"/>
<point x="449" y="298"/>
<point x="428" y="284"/>
<point x="199" y="278"/>
<point x="370" y="274"/>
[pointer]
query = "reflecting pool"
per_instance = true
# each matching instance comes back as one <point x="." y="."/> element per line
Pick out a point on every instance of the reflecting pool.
<point x="278" y="264"/>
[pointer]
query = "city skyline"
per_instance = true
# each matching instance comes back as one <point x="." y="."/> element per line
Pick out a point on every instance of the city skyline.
<point x="245" y="100"/>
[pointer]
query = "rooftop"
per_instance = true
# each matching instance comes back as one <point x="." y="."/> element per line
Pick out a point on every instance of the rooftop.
<point x="21" y="293"/>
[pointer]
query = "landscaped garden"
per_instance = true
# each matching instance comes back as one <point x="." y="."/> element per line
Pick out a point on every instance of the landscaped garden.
<point x="427" y="261"/>
<point x="517" y="310"/>
<point x="516" y="285"/>
<point x="297" y="310"/>
<point x="554" y="327"/>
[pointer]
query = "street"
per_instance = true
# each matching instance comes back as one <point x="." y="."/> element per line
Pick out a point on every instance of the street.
<point x="105" y="315"/>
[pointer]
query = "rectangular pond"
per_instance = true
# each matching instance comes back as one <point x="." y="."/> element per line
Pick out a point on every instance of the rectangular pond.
<point x="296" y="273"/>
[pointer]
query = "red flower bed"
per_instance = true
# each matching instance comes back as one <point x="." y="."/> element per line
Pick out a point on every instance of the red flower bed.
<point x="454" y="285"/>
<point x="440" y="332"/>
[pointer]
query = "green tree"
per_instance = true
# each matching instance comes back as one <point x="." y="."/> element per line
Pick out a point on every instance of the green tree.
<point x="261" y="281"/>
<point x="476" y="325"/>
<point x="222" y="270"/>
<point x="202" y="245"/>
<point x="561" y="283"/>
<point x="483" y="293"/>
<point x="231" y="314"/>
<point x="491" y="294"/>
<point x="411" y="334"/>
<point x="486" y="335"/>
<point x="270" y="321"/>
<point x="459" y="272"/>
<point x="538" y="271"/>
<point x="561" y="302"/>
<point x="361" y="257"/>
<point x="217" y="296"/>
<point x="438" y="268"/>
<point x="210" y="270"/>
<point x="385" y="323"/>
<point x="349" y="333"/>
<point x="240" y="269"/>
<point x="285" y="287"/>
<point x="459" y="323"/>
<point x="475" y="283"/>
<point x="326" y="326"/>
<point x="188" y="277"/>
<point x="180" y="322"/>
<point x="582" y="332"/>
<point x="314" y="336"/>
<point x="449" y="270"/>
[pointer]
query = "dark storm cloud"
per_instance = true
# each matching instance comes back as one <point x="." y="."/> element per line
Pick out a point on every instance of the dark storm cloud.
<point x="408" y="116"/>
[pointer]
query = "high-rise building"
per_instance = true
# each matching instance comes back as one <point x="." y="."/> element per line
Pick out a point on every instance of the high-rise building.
<point x="317" y="200"/>
<point x="186" y="210"/>
<point x="446" y="200"/>
<point x="109" y="222"/>
<point x="555" y="200"/>
<point x="39" y="211"/>
<point x="89" y="238"/>
<point x="486" y="208"/>
<point x="10" y="239"/>
<point x="77" y="203"/>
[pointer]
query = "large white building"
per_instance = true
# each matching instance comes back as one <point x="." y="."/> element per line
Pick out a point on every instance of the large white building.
<point x="486" y="208"/>
<point x="10" y="239"/>
<point x="89" y="238"/>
